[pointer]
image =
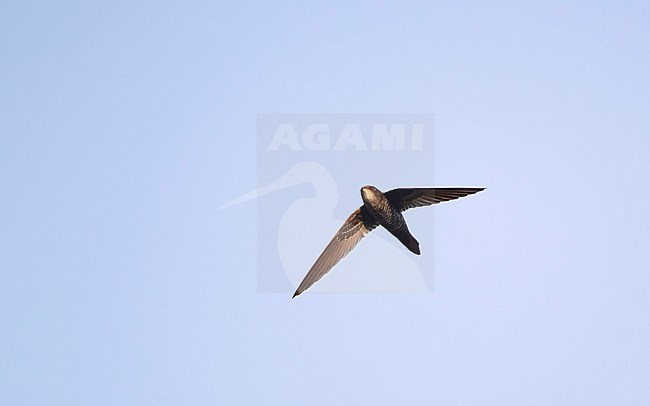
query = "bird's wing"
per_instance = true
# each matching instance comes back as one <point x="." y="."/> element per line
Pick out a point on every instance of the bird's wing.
<point x="408" y="198"/>
<point x="357" y="226"/>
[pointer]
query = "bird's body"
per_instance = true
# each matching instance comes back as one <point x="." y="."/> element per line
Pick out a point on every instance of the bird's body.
<point x="379" y="209"/>
<point x="388" y="216"/>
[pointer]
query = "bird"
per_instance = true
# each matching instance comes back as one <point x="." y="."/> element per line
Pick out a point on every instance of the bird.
<point x="379" y="209"/>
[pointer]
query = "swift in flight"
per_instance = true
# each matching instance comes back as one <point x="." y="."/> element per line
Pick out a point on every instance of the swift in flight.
<point x="379" y="209"/>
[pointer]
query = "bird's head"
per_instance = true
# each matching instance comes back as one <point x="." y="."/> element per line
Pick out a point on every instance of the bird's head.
<point x="370" y="193"/>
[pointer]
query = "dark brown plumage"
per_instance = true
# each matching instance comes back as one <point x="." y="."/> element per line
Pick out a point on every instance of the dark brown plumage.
<point x="383" y="209"/>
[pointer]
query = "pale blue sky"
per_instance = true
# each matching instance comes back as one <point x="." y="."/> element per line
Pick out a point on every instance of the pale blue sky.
<point x="124" y="125"/>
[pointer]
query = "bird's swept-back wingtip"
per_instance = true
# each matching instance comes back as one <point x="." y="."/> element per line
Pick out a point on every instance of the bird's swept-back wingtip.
<point x="296" y="293"/>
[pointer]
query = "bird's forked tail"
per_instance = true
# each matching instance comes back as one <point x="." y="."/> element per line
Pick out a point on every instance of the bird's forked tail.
<point x="410" y="242"/>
